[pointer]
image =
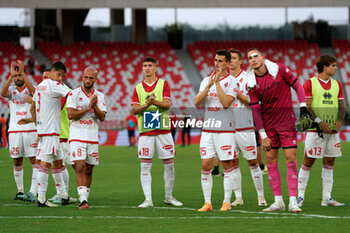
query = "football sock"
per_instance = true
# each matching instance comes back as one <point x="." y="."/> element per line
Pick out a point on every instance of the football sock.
<point x="59" y="183"/>
<point x="146" y="179"/>
<point x="274" y="178"/>
<point x="292" y="178"/>
<point x="327" y="181"/>
<point x="65" y="176"/>
<point x="257" y="179"/>
<point x="18" y="174"/>
<point x="34" y="185"/>
<point x="207" y="183"/>
<point x="169" y="178"/>
<point x="237" y="181"/>
<point x="43" y="177"/>
<point x="228" y="184"/>
<point x="82" y="192"/>
<point x="303" y="178"/>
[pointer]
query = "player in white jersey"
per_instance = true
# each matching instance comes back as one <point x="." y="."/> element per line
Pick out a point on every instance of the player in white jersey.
<point x="22" y="138"/>
<point x="47" y="102"/>
<point x="85" y="105"/>
<point x="244" y="133"/>
<point x="218" y="93"/>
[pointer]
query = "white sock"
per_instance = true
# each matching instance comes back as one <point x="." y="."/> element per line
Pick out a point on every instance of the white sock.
<point x="327" y="181"/>
<point x="257" y="177"/>
<point x="146" y="179"/>
<point x="169" y="178"/>
<point x="43" y="177"/>
<point x="82" y="192"/>
<point x="18" y="174"/>
<point x="59" y="183"/>
<point x="34" y="186"/>
<point x="292" y="200"/>
<point x="237" y="181"/>
<point x="87" y="192"/>
<point x="228" y="184"/>
<point x="65" y="176"/>
<point x="304" y="174"/>
<point x="279" y="198"/>
<point x="207" y="184"/>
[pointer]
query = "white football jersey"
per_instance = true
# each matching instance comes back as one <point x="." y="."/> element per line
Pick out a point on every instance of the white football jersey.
<point x="242" y="114"/>
<point x="19" y="109"/>
<point x="84" y="129"/>
<point x="213" y="109"/>
<point x="47" y="99"/>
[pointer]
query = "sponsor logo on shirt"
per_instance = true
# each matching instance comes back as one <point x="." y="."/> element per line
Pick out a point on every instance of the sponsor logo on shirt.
<point x="213" y="109"/>
<point x="21" y="113"/>
<point x="85" y="122"/>
<point x="151" y="120"/>
<point x="41" y="88"/>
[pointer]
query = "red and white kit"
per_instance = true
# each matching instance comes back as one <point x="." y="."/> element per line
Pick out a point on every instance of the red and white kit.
<point x="22" y="138"/>
<point x="83" y="132"/>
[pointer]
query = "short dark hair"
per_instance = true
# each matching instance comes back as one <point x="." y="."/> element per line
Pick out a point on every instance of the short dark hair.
<point x="236" y="51"/>
<point x="58" y="65"/>
<point x="249" y="50"/>
<point x="46" y="70"/>
<point x="324" y="60"/>
<point x="223" y="52"/>
<point x="149" y="59"/>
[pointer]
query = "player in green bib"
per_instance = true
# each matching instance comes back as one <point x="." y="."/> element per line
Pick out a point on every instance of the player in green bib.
<point x="325" y="101"/>
<point x="151" y="101"/>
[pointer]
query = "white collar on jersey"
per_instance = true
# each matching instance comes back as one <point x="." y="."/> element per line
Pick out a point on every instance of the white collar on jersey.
<point x="272" y="68"/>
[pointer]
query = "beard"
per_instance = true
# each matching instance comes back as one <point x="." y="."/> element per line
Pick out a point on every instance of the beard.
<point x="88" y="87"/>
<point x="19" y="83"/>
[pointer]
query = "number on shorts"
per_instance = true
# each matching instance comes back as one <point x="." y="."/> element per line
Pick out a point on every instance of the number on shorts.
<point x="316" y="151"/>
<point x="79" y="152"/>
<point x="145" y="151"/>
<point x="15" y="151"/>
<point x="203" y="151"/>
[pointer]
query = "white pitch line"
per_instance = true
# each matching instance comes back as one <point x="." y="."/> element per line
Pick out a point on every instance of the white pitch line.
<point x="299" y="215"/>
<point x="157" y="218"/>
<point x="71" y="205"/>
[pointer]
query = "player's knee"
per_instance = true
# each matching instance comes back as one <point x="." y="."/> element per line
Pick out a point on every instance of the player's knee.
<point x="18" y="161"/>
<point x="252" y="163"/>
<point x="168" y="161"/>
<point x="328" y="161"/>
<point x="206" y="166"/>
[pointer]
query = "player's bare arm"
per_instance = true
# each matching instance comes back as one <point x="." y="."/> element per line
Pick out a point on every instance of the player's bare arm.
<point x="203" y="94"/>
<point x="225" y="100"/>
<point x="28" y="99"/>
<point x="76" y="114"/>
<point x="101" y="115"/>
<point x="341" y="115"/>
<point x="25" y="78"/>
<point x="5" y="89"/>
<point x="136" y="109"/>
<point x="165" y="104"/>
<point x="242" y="98"/>
<point x="25" y="121"/>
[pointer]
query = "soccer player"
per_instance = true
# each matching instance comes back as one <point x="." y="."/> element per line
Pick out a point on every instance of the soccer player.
<point x="85" y="106"/>
<point x="151" y="101"/>
<point x="217" y="92"/>
<point x="22" y="138"/>
<point x="244" y="133"/>
<point x="325" y="101"/>
<point x="47" y="104"/>
<point x="270" y="100"/>
<point x="131" y="124"/>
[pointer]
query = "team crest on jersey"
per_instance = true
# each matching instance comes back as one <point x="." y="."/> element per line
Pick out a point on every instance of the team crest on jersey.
<point x="241" y="80"/>
<point x="226" y="84"/>
<point x="151" y="120"/>
<point x="80" y="99"/>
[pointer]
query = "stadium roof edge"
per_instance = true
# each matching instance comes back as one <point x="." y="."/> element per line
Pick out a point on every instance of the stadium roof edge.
<point x="86" y="4"/>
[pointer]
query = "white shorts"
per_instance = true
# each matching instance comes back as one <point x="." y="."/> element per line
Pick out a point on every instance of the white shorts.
<point x="22" y="145"/>
<point x="328" y="146"/>
<point x="84" y="151"/>
<point x="246" y="142"/>
<point x="48" y="148"/>
<point x="162" y="144"/>
<point x="217" y="145"/>
<point x="65" y="153"/>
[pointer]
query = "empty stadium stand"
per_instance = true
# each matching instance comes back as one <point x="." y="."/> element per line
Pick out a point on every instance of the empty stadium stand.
<point x="120" y="69"/>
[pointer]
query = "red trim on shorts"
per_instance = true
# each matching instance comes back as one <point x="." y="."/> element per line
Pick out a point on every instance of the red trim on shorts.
<point x="244" y="129"/>
<point x="82" y="141"/>
<point x="63" y="140"/>
<point x="49" y="134"/>
<point x="155" y="132"/>
<point x="23" y="131"/>
<point x="217" y="131"/>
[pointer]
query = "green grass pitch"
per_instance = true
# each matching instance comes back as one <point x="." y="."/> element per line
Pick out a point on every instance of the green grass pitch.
<point x="116" y="191"/>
